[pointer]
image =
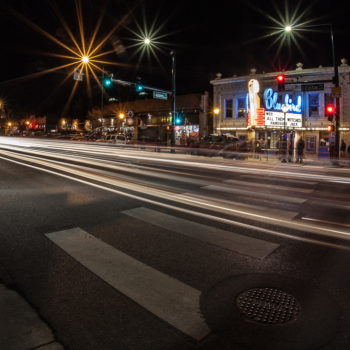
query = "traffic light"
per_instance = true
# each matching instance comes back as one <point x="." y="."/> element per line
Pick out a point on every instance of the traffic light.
<point x="138" y="86"/>
<point x="178" y="120"/>
<point x="330" y="128"/>
<point x="330" y="112"/>
<point x="280" y="82"/>
<point x="107" y="81"/>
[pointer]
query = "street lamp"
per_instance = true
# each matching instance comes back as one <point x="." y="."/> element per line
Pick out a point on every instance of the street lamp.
<point x="85" y="59"/>
<point x="284" y="110"/>
<point x="284" y="141"/>
<point x="216" y="111"/>
<point x="147" y="41"/>
<point x="335" y="79"/>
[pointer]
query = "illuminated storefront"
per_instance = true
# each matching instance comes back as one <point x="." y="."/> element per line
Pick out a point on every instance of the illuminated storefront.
<point x="254" y="109"/>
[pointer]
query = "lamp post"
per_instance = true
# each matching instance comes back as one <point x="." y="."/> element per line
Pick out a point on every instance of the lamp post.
<point x="147" y="42"/>
<point x="335" y="78"/>
<point x="284" y="142"/>
<point x="173" y="83"/>
<point x="121" y="119"/>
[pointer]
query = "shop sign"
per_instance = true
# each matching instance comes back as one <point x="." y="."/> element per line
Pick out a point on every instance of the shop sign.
<point x="272" y="104"/>
<point x="276" y="119"/>
<point x="312" y="87"/>
<point x="336" y="92"/>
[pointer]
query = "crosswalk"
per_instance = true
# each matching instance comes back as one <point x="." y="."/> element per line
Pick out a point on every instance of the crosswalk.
<point x="173" y="301"/>
<point x="253" y="247"/>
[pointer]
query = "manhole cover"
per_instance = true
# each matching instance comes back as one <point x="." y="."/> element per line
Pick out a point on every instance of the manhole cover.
<point x="268" y="305"/>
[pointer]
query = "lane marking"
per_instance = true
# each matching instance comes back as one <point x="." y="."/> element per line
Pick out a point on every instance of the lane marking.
<point x="326" y="222"/>
<point x="309" y="228"/>
<point x="237" y="207"/>
<point x="264" y="185"/>
<point x="168" y="298"/>
<point x="253" y="247"/>
<point x="268" y="178"/>
<point x="252" y="193"/>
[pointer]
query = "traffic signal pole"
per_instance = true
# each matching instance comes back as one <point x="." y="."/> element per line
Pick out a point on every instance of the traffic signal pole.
<point x="173" y="80"/>
<point x="337" y="104"/>
<point x="103" y="73"/>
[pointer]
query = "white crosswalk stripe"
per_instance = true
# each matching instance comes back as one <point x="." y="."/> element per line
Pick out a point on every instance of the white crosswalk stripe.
<point x="228" y="240"/>
<point x="254" y="193"/>
<point x="264" y="185"/>
<point x="171" y="300"/>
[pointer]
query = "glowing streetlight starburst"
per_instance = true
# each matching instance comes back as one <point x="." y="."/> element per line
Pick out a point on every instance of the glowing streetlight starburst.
<point x="84" y="57"/>
<point x="148" y="41"/>
<point x="288" y="25"/>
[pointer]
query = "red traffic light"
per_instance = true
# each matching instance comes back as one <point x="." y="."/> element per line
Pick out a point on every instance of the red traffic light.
<point x="280" y="81"/>
<point x="330" y="109"/>
<point x="330" y="128"/>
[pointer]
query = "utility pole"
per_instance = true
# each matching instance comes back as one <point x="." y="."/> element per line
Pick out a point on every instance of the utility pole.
<point x="103" y="74"/>
<point x="337" y="104"/>
<point x="173" y="79"/>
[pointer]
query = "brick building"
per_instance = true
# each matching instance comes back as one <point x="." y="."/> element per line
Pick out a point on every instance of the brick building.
<point x="151" y="118"/>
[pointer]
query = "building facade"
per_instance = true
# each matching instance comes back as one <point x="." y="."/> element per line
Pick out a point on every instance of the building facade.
<point x="253" y="109"/>
<point x="151" y="119"/>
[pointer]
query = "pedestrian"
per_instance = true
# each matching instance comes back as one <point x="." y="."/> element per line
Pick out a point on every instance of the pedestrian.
<point x="343" y="149"/>
<point x="300" y="150"/>
<point x="333" y="153"/>
<point x="290" y="151"/>
<point x="283" y="149"/>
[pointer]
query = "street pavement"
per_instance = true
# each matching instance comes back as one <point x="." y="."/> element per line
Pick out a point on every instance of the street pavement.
<point x="118" y="248"/>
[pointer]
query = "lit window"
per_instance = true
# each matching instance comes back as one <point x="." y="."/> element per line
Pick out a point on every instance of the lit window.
<point x="228" y="108"/>
<point x="241" y="103"/>
<point x="314" y="105"/>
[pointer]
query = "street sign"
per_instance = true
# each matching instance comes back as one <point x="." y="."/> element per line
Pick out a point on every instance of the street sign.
<point x="78" y="76"/>
<point x="160" y="95"/>
<point x="312" y="87"/>
<point x="336" y="92"/>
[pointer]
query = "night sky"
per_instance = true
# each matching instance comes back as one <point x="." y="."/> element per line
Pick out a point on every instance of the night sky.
<point x="208" y="36"/>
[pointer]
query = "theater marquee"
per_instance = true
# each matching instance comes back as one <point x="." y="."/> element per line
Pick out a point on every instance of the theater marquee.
<point x="271" y="115"/>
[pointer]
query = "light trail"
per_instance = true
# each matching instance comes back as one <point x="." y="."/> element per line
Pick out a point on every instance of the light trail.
<point x="186" y="211"/>
<point x="160" y="193"/>
<point x="189" y="163"/>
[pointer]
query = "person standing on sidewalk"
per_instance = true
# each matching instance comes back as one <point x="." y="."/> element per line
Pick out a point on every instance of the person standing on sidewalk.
<point x="300" y="150"/>
<point x="343" y="149"/>
<point x="290" y="151"/>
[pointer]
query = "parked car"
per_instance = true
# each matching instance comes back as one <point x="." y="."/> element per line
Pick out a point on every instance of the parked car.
<point x="118" y="139"/>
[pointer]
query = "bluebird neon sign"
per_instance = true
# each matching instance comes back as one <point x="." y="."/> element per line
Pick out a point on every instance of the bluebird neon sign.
<point x="271" y="102"/>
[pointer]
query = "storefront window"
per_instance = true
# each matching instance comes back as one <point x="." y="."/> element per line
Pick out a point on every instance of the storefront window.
<point x="314" y="104"/>
<point x="241" y="102"/>
<point x="311" y="144"/>
<point x="228" y="108"/>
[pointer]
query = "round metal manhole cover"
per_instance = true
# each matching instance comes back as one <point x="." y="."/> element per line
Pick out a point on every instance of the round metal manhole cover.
<point x="268" y="305"/>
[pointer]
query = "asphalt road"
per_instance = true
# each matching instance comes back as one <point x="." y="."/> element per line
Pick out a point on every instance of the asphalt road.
<point x="121" y="248"/>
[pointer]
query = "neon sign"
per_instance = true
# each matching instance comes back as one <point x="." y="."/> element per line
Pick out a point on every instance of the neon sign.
<point x="271" y="102"/>
<point x="255" y="112"/>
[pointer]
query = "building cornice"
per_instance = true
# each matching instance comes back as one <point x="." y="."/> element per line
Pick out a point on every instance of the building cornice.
<point x="291" y="74"/>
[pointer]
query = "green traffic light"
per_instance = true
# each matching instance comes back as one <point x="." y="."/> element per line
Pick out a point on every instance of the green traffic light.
<point x="139" y="87"/>
<point x="107" y="82"/>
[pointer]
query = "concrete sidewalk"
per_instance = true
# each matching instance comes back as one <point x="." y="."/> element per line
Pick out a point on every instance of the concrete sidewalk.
<point x="20" y="326"/>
